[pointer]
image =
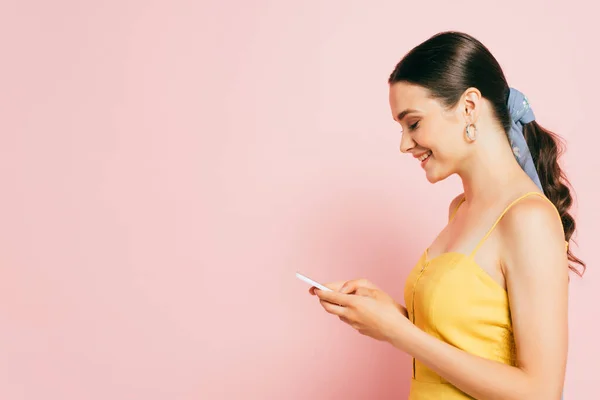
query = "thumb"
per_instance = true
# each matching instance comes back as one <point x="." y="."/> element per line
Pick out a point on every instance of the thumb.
<point x="353" y="285"/>
<point x="366" y="292"/>
<point x="350" y="287"/>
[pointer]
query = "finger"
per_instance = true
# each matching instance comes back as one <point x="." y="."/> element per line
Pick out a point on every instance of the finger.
<point x="353" y="285"/>
<point x="333" y="308"/>
<point x="334" y="297"/>
<point x="366" y="292"/>
<point x="335" y="286"/>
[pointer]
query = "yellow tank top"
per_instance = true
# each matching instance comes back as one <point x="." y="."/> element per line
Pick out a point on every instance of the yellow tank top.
<point x="453" y="299"/>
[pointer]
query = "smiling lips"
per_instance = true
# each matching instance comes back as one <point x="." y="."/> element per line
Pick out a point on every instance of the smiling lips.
<point x="423" y="157"/>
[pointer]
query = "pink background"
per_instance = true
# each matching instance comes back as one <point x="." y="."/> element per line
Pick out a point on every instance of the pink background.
<point x="167" y="166"/>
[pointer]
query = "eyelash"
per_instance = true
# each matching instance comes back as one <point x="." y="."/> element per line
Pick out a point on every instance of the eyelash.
<point x="413" y="126"/>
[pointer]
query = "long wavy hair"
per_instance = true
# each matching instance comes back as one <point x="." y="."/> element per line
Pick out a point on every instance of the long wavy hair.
<point x="449" y="63"/>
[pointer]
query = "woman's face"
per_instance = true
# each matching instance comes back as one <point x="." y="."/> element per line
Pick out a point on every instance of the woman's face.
<point x="432" y="134"/>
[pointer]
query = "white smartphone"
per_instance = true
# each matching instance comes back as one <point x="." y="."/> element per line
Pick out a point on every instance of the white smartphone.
<point x="311" y="282"/>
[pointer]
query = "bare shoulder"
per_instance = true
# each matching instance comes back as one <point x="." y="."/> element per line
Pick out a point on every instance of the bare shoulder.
<point x="454" y="204"/>
<point x="531" y="230"/>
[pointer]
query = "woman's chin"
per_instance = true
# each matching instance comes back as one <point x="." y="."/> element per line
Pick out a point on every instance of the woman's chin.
<point x="434" y="177"/>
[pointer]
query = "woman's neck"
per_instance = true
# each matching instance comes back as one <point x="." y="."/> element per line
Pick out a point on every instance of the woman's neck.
<point x="491" y="174"/>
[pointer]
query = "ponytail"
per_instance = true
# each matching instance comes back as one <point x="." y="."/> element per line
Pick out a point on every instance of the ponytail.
<point x="546" y="147"/>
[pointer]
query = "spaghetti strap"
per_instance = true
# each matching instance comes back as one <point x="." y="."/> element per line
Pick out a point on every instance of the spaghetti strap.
<point x="462" y="200"/>
<point x="502" y="215"/>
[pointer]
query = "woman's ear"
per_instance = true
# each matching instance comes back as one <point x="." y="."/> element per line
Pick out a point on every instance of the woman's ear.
<point x="472" y="101"/>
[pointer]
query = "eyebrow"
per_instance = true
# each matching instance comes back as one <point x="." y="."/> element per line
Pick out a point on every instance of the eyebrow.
<point x="404" y="113"/>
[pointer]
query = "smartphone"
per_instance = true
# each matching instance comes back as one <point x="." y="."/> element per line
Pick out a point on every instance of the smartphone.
<point x="311" y="282"/>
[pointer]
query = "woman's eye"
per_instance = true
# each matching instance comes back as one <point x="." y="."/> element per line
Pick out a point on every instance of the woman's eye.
<point x="414" y="126"/>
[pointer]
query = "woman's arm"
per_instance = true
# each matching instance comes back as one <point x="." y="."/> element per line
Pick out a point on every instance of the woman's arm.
<point x="536" y="271"/>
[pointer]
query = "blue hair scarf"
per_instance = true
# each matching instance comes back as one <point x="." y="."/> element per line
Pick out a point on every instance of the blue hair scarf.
<point x="521" y="114"/>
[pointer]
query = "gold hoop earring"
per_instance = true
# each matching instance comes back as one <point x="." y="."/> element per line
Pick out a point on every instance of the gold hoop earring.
<point x="471" y="132"/>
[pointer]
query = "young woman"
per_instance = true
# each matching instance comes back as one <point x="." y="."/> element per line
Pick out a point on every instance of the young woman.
<point x="486" y="304"/>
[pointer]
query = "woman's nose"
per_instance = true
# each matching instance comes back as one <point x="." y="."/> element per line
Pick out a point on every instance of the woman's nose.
<point x="406" y="143"/>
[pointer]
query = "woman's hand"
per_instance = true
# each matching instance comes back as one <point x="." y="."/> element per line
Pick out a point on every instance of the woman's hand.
<point x="365" y="307"/>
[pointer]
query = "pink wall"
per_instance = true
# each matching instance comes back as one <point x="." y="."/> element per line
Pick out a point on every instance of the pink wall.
<point x="166" y="167"/>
